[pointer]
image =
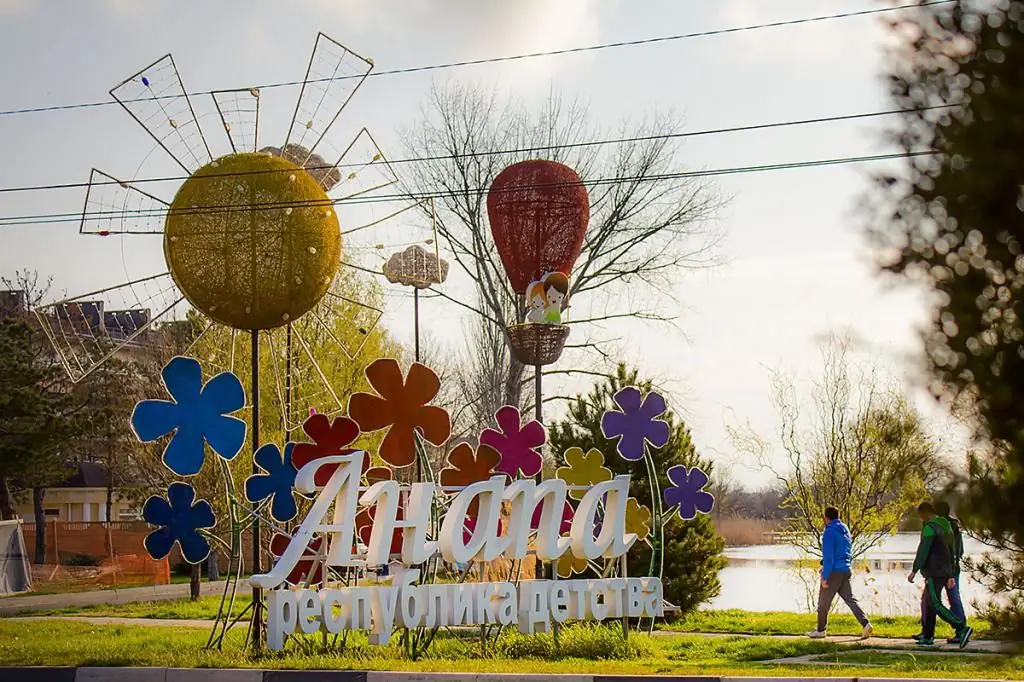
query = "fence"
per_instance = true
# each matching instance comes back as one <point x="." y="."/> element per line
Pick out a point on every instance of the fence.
<point x="80" y="555"/>
<point x="83" y="555"/>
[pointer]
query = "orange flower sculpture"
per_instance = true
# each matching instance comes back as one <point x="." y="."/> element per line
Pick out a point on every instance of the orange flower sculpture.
<point x="400" y="406"/>
<point x="465" y="467"/>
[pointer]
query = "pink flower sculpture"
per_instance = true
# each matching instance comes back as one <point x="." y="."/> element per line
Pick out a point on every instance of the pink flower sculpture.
<point x="564" y="526"/>
<point x="518" y="444"/>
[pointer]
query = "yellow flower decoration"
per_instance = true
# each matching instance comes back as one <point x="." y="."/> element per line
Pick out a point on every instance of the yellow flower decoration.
<point x="569" y="563"/>
<point x="638" y="518"/>
<point x="583" y="470"/>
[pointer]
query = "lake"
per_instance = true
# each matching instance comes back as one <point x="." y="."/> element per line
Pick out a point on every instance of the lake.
<point x="767" y="578"/>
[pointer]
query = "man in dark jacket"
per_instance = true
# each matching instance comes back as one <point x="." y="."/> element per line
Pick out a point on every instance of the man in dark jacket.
<point x="934" y="561"/>
<point x="836" y="569"/>
<point x="956" y="604"/>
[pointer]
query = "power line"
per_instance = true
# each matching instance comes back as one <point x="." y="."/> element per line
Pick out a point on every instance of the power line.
<point x="55" y="218"/>
<point x="500" y="152"/>
<point x="511" y="58"/>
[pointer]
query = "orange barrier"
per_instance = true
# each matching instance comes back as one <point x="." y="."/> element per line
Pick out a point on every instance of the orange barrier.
<point x="82" y="556"/>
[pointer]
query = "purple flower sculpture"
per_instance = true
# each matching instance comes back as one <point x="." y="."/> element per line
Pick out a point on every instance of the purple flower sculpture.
<point x="687" y="492"/>
<point x="636" y="422"/>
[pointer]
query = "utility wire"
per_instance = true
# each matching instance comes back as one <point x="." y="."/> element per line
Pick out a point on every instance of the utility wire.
<point x="496" y="152"/>
<point x="53" y="218"/>
<point x="511" y="58"/>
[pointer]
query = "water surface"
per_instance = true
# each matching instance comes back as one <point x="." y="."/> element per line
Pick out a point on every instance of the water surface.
<point x="768" y="578"/>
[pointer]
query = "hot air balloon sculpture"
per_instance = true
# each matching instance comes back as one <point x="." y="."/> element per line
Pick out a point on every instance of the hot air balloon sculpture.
<point x="538" y="211"/>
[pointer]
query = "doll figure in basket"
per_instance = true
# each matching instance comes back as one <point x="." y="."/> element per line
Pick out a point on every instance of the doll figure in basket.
<point x="546" y="298"/>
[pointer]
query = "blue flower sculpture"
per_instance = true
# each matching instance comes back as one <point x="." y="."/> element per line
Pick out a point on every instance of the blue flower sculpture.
<point x="277" y="483"/>
<point x="635" y="423"/>
<point x="179" y="518"/>
<point x="197" y="415"/>
<point x="687" y="492"/>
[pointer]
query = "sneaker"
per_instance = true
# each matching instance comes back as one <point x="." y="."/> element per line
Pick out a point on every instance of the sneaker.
<point x="817" y="634"/>
<point x="965" y="636"/>
<point x="867" y="632"/>
<point x="926" y="641"/>
<point x="953" y="640"/>
<point x="918" y="637"/>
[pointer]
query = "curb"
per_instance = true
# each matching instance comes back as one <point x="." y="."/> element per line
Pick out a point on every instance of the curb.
<point x="42" y="674"/>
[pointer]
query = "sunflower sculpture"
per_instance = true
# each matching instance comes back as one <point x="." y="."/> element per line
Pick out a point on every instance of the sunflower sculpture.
<point x="252" y="239"/>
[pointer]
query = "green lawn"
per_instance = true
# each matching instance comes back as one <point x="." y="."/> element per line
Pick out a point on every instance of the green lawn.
<point x="734" y="621"/>
<point x="786" y="623"/>
<point x="583" y="649"/>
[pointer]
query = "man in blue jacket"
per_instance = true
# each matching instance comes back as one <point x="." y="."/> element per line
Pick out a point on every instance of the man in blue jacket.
<point x="836" y="569"/>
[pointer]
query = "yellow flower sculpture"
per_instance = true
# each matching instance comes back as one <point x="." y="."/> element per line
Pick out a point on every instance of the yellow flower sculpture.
<point x="569" y="563"/>
<point x="583" y="469"/>
<point x="638" y="519"/>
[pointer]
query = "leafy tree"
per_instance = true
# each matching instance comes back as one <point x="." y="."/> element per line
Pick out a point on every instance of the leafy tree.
<point x="861" y="448"/>
<point x="952" y="221"/>
<point x="35" y="421"/>
<point x="38" y="408"/>
<point x="109" y="394"/>
<point x="692" y="549"/>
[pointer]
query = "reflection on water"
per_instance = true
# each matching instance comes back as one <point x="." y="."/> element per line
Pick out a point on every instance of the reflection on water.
<point x="767" y="578"/>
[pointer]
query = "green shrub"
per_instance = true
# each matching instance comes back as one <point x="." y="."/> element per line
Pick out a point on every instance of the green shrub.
<point x="80" y="560"/>
<point x="584" y="640"/>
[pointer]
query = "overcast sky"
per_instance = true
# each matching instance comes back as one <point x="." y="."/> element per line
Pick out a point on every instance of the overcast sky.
<point x="795" y="263"/>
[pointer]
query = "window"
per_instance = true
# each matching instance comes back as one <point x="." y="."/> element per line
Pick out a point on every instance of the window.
<point x="52" y="513"/>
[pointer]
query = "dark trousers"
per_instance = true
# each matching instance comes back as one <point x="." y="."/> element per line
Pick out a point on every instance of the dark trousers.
<point x="956" y="604"/>
<point x="932" y="606"/>
<point x="838" y="583"/>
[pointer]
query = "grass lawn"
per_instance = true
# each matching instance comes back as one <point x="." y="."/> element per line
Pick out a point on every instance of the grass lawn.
<point x="733" y="621"/>
<point x="583" y="649"/>
<point x="787" y="623"/>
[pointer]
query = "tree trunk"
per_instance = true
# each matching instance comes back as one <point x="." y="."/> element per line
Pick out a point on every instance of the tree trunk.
<point x="110" y="498"/>
<point x="194" y="583"/>
<point x="213" y="567"/>
<point x="40" y="514"/>
<point x="7" y="511"/>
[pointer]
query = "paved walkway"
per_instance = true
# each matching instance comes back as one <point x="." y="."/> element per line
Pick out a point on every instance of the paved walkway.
<point x="129" y="595"/>
<point x="976" y="646"/>
<point x="112" y="620"/>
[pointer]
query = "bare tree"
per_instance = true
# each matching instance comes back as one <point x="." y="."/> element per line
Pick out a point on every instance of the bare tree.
<point x="647" y="223"/>
<point x="862" y="449"/>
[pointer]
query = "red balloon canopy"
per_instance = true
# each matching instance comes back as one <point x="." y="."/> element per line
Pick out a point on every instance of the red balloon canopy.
<point x="539" y="212"/>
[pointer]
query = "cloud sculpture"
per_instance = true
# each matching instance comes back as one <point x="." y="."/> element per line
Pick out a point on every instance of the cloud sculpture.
<point x="327" y="175"/>
<point x="416" y="267"/>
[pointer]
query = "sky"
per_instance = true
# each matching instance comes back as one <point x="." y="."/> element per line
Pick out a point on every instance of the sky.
<point x="794" y="263"/>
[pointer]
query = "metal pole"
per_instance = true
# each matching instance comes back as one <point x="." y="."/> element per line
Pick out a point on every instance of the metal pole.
<point x="416" y="334"/>
<point x="257" y="596"/>
<point x="538" y="405"/>
<point x="287" y="411"/>
<point x="538" y="413"/>
<point x="416" y="319"/>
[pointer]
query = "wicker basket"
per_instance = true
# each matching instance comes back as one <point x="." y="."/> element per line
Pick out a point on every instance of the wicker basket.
<point x="537" y="344"/>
